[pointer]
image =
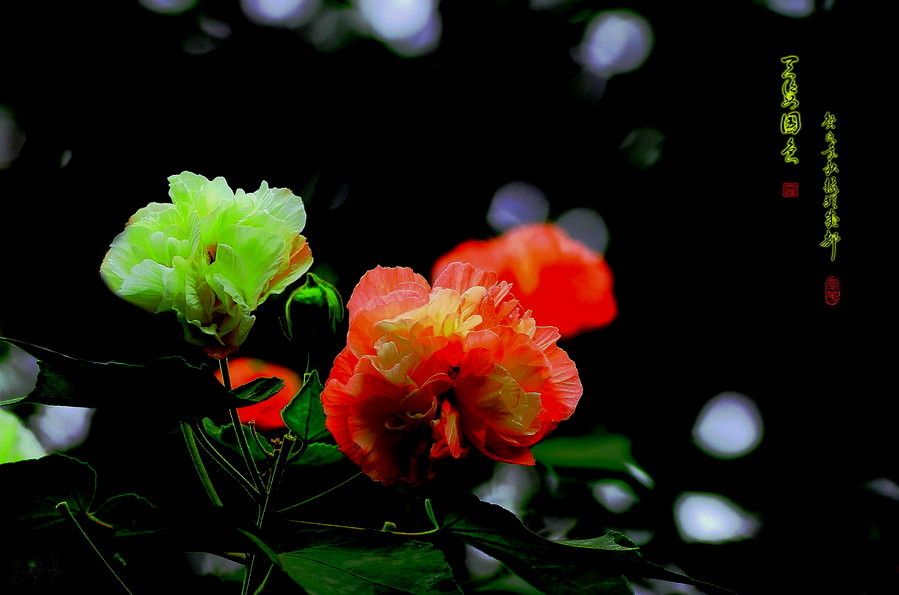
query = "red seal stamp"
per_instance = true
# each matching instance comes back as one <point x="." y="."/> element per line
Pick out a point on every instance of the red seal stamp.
<point x="831" y="291"/>
<point x="790" y="189"/>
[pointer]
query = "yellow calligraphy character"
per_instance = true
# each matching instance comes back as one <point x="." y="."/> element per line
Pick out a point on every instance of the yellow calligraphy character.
<point x="790" y="123"/>
<point x="830" y="121"/>
<point x="830" y="153"/>
<point x="831" y="219"/>
<point x="831" y="168"/>
<point x="830" y="241"/>
<point x="789" y="90"/>
<point x="789" y="61"/>
<point x="788" y="151"/>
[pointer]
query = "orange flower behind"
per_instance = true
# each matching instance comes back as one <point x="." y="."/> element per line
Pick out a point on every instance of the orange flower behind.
<point x="432" y="373"/>
<point x="563" y="282"/>
<point x="267" y="414"/>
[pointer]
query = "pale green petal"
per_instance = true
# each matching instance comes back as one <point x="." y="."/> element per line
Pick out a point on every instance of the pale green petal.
<point x="282" y="204"/>
<point x="145" y="285"/>
<point x="185" y="187"/>
<point x="17" y="442"/>
<point x="152" y="212"/>
<point x="249" y="258"/>
<point x="215" y="193"/>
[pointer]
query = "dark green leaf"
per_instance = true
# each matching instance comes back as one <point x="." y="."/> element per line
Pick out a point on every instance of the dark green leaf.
<point x="591" y="565"/>
<point x="225" y="435"/>
<point x="32" y="489"/>
<point x="191" y="390"/>
<point x="258" y="390"/>
<point x="319" y="453"/>
<point x="592" y="451"/>
<point x="316" y="292"/>
<point x="304" y="414"/>
<point x="370" y="564"/>
<point x="127" y="514"/>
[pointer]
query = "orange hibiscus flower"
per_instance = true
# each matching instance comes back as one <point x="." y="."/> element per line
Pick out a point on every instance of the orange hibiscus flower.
<point x="267" y="414"/>
<point x="563" y="282"/>
<point x="432" y="373"/>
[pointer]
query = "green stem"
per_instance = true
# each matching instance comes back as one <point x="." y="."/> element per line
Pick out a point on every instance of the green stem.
<point x="223" y="462"/>
<point x="253" y="470"/>
<point x="282" y="454"/>
<point x="67" y="512"/>
<point x="194" y="452"/>
<point x="325" y="493"/>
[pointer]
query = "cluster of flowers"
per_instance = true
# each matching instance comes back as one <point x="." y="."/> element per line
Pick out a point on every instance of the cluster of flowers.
<point x="429" y="372"/>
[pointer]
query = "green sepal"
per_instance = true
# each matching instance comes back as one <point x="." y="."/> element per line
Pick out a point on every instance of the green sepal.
<point x="74" y="382"/>
<point x="316" y="292"/>
<point x="304" y="415"/>
<point x="582" y="566"/>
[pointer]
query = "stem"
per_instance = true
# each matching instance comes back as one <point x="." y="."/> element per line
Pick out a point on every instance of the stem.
<point x="191" y="441"/>
<point x="326" y="492"/>
<point x="238" y="431"/>
<point x="223" y="462"/>
<point x="282" y="453"/>
<point x="67" y="512"/>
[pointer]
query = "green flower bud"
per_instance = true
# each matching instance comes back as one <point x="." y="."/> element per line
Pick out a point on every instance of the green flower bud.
<point x="212" y="256"/>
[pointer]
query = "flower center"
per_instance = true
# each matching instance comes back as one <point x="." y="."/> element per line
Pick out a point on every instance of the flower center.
<point x="210" y="253"/>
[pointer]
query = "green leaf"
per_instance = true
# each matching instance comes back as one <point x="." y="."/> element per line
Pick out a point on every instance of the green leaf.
<point x="73" y="382"/>
<point x="319" y="453"/>
<point x="316" y="292"/>
<point x="33" y="488"/>
<point x="258" y="390"/>
<point x="304" y="414"/>
<point x="592" y="451"/>
<point x="127" y="514"/>
<point x="592" y="565"/>
<point x="368" y="565"/>
<point x="225" y="435"/>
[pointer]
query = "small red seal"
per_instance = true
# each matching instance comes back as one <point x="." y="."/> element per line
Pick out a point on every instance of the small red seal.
<point x="831" y="291"/>
<point x="790" y="189"/>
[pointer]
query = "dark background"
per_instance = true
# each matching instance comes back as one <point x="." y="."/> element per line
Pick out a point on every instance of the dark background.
<point x="719" y="280"/>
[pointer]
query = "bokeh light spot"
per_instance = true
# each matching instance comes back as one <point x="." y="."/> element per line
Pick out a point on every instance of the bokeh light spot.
<point x="643" y="147"/>
<point x="728" y="426"/>
<point x="61" y="428"/>
<point x="712" y="518"/>
<point x="615" y="41"/>
<point x="279" y="13"/>
<point x="397" y="19"/>
<point x="615" y="495"/>
<point x="796" y="9"/>
<point x="510" y="487"/>
<point x="11" y="138"/>
<point x="517" y="203"/>
<point x="884" y="487"/>
<point x="586" y="226"/>
<point x="168" y="6"/>
<point x="423" y="42"/>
